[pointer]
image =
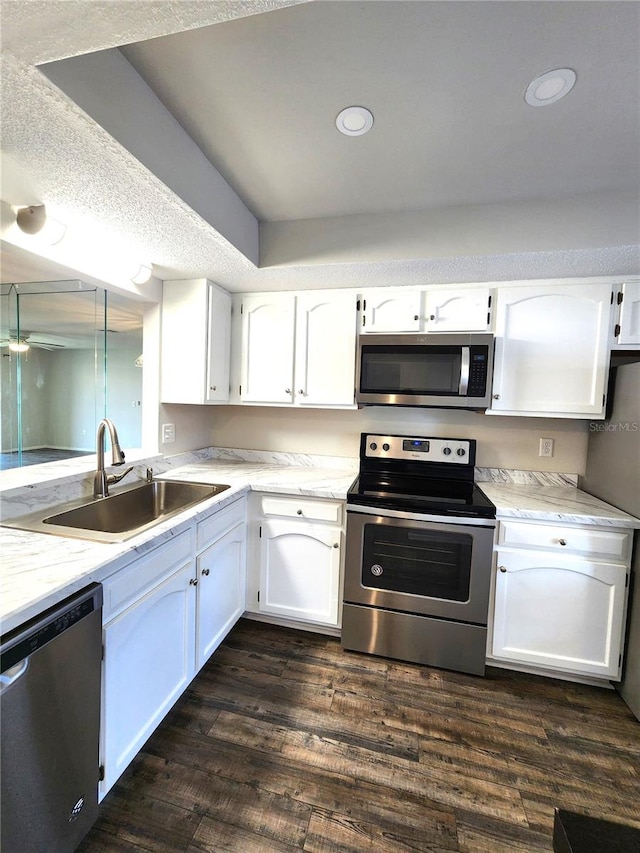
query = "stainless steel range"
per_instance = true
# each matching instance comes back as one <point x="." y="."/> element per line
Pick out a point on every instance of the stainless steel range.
<point x="418" y="553"/>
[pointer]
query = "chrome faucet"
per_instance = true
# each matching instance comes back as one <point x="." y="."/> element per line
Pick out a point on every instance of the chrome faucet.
<point x="102" y="480"/>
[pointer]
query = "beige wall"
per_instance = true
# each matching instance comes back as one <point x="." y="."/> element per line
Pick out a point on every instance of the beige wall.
<point x="503" y="442"/>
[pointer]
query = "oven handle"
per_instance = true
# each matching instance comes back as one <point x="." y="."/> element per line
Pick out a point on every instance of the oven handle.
<point x="418" y="516"/>
<point x="464" y="371"/>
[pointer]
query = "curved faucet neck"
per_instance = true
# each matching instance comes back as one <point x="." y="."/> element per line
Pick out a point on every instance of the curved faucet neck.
<point x="101" y="481"/>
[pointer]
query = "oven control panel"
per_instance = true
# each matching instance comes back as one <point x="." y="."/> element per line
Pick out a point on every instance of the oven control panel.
<point x="456" y="451"/>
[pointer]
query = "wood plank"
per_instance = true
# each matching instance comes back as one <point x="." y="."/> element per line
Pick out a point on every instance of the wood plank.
<point x="333" y="832"/>
<point x="481" y="834"/>
<point x="241" y="804"/>
<point x="142" y="821"/>
<point x="323" y="789"/>
<point x="214" y="836"/>
<point x="303" y="750"/>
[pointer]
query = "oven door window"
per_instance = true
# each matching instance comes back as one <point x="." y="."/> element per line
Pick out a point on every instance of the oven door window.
<point x="417" y="561"/>
<point x="414" y="370"/>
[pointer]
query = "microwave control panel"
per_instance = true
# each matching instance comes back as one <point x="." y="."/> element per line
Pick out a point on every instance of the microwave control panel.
<point x="478" y="366"/>
<point x="456" y="451"/>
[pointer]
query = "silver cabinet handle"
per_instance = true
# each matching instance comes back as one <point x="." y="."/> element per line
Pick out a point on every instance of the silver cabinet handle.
<point x="287" y="390"/>
<point x="205" y="572"/>
<point x="299" y="512"/>
<point x="336" y="544"/>
<point x="432" y="316"/>
<point x="301" y="392"/>
<point x="212" y="388"/>
<point x="502" y="568"/>
<point x="496" y="396"/>
<point x="562" y="541"/>
<point x="416" y="316"/>
<point x="193" y="582"/>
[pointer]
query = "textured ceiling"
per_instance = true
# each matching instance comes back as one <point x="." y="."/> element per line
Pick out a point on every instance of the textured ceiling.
<point x="54" y="153"/>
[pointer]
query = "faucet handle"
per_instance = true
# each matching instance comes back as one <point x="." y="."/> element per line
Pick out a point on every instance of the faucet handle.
<point x="149" y="475"/>
<point x="115" y="478"/>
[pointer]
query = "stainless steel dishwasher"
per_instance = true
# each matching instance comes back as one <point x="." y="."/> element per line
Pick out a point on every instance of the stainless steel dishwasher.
<point x="50" y="711"/>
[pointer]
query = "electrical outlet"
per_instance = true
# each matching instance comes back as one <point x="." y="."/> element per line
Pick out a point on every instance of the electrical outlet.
<point x="168" y="433"/>
<point x="546" y="447"/>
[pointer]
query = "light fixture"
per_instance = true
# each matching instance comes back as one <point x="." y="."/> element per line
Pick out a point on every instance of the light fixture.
<point x="550" y="87"/>
<point x="354" y="121"/>
<point x="18" y="346"/>
<point x="33" y="220"/>
<point x="143" y="275"/>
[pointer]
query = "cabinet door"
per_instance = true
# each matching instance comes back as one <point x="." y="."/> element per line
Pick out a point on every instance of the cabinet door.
<point x="221" y="588"/>
<point x="300" y="570"/>
<point x="325" y="351"/>
<point x="551" y="354"/>
<point x="385" y="310"/>
<point x="560" y="614"/>
<point x="458" y="310"/>
<point x="267" y="333"/>
<point x="149" y="661"/>
<point x="218" y="345"/>
<point x="195" y="342"/>
<point x="630" y="314"/>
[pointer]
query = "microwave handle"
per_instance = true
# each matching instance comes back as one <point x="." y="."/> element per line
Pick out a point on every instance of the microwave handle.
<point x="465" y="361"/>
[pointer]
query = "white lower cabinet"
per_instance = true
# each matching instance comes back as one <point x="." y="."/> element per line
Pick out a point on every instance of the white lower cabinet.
<point x="561" y="611"/>
<point x="221" y="592"/>
<point x="296" y="569"/>
<point x="164" y="615"/>
<point x="149" y="661"/>
<point x="299" y="571"/>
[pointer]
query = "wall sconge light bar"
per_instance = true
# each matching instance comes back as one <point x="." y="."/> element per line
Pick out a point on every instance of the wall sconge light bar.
<point x="143" y="275"/>
<point x="33" y="220"/>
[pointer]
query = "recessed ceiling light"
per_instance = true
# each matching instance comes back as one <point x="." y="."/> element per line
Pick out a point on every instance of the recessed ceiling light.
<point x="354" y="121"/>
<point x="550" y="87"/>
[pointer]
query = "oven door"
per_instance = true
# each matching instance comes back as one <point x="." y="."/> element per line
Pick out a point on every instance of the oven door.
<point x="416" y="565"/>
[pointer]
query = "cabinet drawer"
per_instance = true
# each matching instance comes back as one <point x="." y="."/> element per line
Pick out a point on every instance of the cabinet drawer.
<point x="134" y="580"/>
<point x="329" y="511"/>
<point x="562" y="538"/>
<point x="212" y="528"/>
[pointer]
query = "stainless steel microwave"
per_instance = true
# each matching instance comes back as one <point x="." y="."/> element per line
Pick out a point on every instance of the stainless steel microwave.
<point x="451" y="371"/>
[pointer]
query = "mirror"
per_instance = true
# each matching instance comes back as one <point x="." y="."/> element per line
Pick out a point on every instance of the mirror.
<point x="70" y="354"/>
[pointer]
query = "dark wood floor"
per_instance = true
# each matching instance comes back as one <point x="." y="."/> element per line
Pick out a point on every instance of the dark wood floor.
<point x="284" y="742"/>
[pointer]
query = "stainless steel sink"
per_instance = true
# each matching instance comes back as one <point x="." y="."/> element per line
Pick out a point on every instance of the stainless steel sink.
<point x="122" y="515"/>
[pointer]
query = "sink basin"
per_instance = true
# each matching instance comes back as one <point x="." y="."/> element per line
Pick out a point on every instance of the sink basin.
<point x="123" y="515"/>
<point x="139" y="507"/>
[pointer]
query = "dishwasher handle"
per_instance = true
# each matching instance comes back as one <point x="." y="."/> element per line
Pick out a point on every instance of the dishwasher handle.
<point x="11" y="675"/>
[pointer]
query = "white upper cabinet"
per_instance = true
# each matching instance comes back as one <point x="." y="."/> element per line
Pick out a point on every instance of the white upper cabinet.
<point x="443" y="309"/>
<point x="551" y="350"/>
<point x="384" y="309"/>
<point x="295" y="349"/>
<point x="196" y="342"/>
<point x="627" y="328"/>
<point x="266" y="347"/>
<point x="325" y="348"/>
<point x="458" y="310"/>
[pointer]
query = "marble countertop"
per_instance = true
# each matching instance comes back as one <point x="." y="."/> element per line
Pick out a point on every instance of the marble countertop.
<point x="554" y="503"/>
<point x="39" y="570"/>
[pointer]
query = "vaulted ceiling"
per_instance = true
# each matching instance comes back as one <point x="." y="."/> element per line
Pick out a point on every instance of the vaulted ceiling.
<point x="202" y="136"/>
